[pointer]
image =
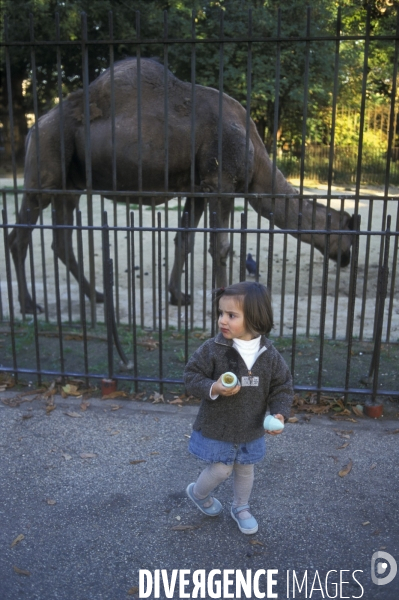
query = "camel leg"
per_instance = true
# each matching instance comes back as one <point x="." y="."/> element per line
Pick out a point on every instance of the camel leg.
<point x="186" y="241"/>
<point x="63" y="247"/>
<point x="18" y="242"/>
<point x="220" y="245"/>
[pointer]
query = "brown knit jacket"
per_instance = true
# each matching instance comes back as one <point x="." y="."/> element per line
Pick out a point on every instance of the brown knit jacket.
<point x="237" y="418"/>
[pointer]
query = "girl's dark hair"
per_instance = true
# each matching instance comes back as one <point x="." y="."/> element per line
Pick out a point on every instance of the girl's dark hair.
<point x="256" y="303"/>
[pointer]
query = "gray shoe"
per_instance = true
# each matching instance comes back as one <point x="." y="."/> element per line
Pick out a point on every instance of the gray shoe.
<point x="211" y="511"/>
<point x="247" y="526"/>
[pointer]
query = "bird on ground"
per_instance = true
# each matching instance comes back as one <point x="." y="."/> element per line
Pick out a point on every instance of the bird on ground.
<point x="251" y="265"/>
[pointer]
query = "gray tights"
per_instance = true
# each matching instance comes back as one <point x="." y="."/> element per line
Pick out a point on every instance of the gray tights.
<point x="216" y="473"/>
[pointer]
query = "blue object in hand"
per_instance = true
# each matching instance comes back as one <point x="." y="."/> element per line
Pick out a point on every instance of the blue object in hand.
<point x="272" y="424"/>
<point x="229" y="379"/>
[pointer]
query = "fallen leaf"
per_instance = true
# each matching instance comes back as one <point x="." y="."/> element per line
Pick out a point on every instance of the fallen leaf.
<point x="75" y="415"/>
<point x="366" y="523"/>
<point x="84" y="406"/>
<point x="392" y="431"/>
<point x="88" y="455"/>
<point x="293" y="420"/>
<point x="117" y="394"/>
<point x="343" y="472"/>
<point x="71" y="390"/>
<point x="18" y="539"/>
<point x="343" y="446"/>
<point x="177" y="401"/>
<point x="133" y="590"/>
<point x="256" y="543"/>
<point x="51" y="502"/>
<point x="50" y="408"/>
<point x="115" y="406"/>
<point x="66" y="456"/>
<point x="21" y="572"/>
<point x="373" y="466"/>
<point x="149" y="344"/>
<point x="115" y="432"/>
<point x="357" y="411"/>
<point x="156" y="398"/>
<point x="136" y="462"/>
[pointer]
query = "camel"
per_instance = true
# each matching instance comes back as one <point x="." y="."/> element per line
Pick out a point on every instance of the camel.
<point x="229" y="178"/>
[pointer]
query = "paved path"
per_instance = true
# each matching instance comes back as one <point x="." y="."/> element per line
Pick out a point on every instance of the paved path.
<point x="90" y="524"/>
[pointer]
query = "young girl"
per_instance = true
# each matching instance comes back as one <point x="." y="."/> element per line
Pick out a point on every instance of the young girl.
<point x="228" y="432"/>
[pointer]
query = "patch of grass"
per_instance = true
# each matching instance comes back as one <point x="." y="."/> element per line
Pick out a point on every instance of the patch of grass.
<point x="306" y="362"/>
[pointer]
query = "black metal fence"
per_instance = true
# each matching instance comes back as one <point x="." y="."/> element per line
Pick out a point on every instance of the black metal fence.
<point x="144" y="196"/>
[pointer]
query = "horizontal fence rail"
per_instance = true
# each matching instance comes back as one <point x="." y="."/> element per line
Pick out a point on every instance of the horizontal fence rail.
<point x="153" y="200"/>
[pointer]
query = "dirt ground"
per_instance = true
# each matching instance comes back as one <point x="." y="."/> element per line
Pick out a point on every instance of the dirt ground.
<point x="199" y="313"/>
<point x="304" y="362"/>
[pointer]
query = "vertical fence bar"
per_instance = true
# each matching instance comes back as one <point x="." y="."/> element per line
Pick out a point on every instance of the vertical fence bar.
<point x="160" y="334"/>
<point x="366" y="269"/>
<point x="82" y="305"/>
<point x="334" y="102"/>
<point x="338" y="274"/>
<point x="270" y="252"/>
<point x="38" y="163"/>
<point x="10" y="294"/>
<point x="140" y="164"/>
<point x="116" y="257"/>
<point x="57" y="293"/>
<point x="134" y="323"/>
<point x="351" y="306"/>
<point x="214" y="242"/>
<point x="166" y="159"/>
<point x="186" y="245"/>
<point x="323" y="304"/>
<point x="35" y="321"/>
<point x="276" y="100"/>
<point x="296" y="297"/>
<point x="220" y="113"/>
<point x="60" y="101"/>
<point x="382" y="288"/>
<point x="393" y="276"/>
<point x="205" y="265"/>
<point x="284" y="269"/>
<point x="88" y="169"/>
<point x="107" y="276"/>
<point x="153" y="270"/>
<point x="193" y="165"/>
<point x="311" y="265"/>
<point x="362" y="110"/>
<point x="248" y="103"/>
<point x="63" y="199"/>
<point x="11" y="124"/>
<point x="305" y="107"/>
<point x="243" y="245"/>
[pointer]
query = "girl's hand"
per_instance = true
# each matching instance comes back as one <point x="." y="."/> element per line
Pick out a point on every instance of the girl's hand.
<point x="218" y="388"/>
<point x="280" y="418"/>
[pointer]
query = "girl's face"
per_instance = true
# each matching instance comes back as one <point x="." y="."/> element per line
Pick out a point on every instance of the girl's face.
<point x="231" y="319"/>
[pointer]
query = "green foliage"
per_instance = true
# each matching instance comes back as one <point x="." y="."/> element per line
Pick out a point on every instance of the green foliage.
<point x="306" y="68"/>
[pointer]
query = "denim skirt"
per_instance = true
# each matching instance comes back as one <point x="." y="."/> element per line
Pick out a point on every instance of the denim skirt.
<point x="213" y="451"/>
